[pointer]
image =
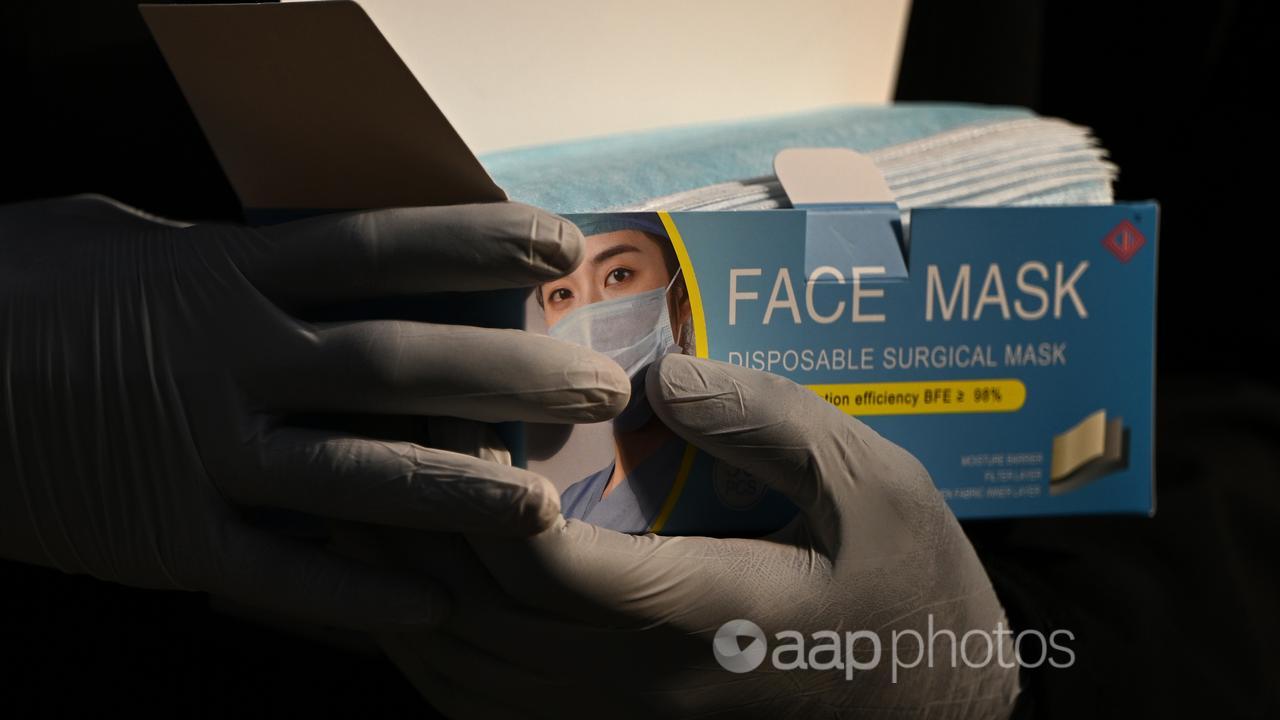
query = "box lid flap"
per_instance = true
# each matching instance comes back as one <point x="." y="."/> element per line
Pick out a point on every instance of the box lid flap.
<point x="308" y="107"/>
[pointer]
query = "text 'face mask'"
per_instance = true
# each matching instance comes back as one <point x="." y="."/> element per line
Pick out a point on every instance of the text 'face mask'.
<point x="633" y="330"/>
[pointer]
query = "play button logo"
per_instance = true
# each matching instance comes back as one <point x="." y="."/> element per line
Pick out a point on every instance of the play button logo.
<point x="739" y="646"/>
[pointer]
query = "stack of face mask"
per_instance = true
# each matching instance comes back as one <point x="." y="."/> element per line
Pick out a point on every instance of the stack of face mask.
<point x="1029" y="161"/>
<point x="930" y="155"/>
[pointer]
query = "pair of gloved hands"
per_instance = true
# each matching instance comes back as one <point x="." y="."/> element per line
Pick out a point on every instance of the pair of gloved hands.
<point x="150" y="373"/>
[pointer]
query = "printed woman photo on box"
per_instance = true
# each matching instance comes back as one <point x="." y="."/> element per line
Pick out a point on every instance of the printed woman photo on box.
<point x="629" y="300"/>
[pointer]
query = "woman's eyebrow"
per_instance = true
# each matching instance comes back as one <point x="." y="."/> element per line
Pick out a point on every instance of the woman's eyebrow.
<point x="613" y="251"/>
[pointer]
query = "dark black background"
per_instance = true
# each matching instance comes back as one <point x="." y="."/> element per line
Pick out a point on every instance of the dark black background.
<point x="1176" y="92"/>
<point x="1176" y="614"/>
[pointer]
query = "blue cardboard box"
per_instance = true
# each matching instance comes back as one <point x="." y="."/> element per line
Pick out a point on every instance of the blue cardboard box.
<point x="1010" y="349"/>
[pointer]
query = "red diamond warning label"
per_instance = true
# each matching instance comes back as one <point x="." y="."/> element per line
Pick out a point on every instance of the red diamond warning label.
<point x="1124" y="241"/>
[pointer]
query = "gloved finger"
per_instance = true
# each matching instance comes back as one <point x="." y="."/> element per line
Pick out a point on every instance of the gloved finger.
<point x="302" y="581"/>
<point x="106" y="210"/>
<point x="489" y="619"/>
<point x="828" y="463"/>
<point x="477" y="439"/>
<point x="447" y="697"/>
<point x="66" y="217"/>
<point x="401" y="367"/>
<point x="594" y="575"/>
<point x="506" y="598"/>
<point x="387" y="483"/>
<point x="410" y="251"/>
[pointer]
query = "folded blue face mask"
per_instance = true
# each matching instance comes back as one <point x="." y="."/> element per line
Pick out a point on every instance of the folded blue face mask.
<point x="633" y="330"/>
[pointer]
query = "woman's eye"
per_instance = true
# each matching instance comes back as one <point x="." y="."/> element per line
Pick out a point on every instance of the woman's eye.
<point x="618" y="275"/>
<point x="559" y="294"/>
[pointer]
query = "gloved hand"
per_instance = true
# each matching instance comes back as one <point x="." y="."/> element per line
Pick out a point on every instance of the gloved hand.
<point x="581" y="621"/>
<point x="149" y="370"/>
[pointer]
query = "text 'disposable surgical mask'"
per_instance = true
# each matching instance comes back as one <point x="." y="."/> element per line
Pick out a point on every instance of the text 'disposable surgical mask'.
<point x="633" y="330"/>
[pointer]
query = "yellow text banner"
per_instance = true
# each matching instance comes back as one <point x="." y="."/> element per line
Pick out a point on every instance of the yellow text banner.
<point x="926" y="397"/>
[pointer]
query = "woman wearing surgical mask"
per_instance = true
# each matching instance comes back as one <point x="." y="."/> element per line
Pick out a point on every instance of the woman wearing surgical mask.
<point x="626" y="300"/>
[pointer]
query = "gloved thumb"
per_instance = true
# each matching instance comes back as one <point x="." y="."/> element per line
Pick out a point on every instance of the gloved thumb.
<point x="829" y="464"/>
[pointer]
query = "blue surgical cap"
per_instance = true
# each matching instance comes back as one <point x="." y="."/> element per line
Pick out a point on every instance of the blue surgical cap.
<point x="599" y="224"/>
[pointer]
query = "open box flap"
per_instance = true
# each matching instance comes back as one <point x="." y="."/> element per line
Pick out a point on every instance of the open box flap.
<point x="308" y="107"/>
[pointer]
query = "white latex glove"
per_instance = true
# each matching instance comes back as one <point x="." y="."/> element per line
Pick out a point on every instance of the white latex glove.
<point x="581" y="621"/>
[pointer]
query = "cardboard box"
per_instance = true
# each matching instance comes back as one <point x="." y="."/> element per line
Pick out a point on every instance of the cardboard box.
<point x="1010" y="349"/>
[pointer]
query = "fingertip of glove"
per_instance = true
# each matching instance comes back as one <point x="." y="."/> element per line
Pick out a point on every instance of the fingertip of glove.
<point x="679" y="377"/>
<point x="568" y="244"/>
<point x="555" y="245"/>
<point x="604" y="386"/>
<point x="617" y="388"/>
<point x="702" y="395"/>
<point x="538" y="509"/>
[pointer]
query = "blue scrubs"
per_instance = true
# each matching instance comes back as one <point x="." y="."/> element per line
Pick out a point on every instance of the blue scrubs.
<point x="711" y="500"/>
<point x="634" y="504"/>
